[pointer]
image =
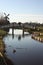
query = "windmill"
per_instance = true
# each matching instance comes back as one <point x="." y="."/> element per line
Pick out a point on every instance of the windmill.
<point x="6" y="17"/>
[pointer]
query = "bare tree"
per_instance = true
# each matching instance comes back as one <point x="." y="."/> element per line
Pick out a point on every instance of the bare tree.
<point x="4" y="19"/>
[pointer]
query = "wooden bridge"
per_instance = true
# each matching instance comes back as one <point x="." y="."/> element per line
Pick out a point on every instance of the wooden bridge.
<point x="17" y="26"/>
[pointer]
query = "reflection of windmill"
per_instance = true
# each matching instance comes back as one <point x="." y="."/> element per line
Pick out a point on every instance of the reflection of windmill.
<point x="6" y="17"/>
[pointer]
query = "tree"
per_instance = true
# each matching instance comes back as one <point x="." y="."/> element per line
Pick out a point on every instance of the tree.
<point x="4" y="20"/>
<point x="19" y="23"/>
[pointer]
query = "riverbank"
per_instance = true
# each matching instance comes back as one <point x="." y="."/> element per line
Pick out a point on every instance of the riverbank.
<point x="38" y="36"/>
<point x="2" y="45"/>
<point x="2" y="32"/>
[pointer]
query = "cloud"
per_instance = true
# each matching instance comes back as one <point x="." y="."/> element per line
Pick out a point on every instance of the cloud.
<point x="26" y="18"/>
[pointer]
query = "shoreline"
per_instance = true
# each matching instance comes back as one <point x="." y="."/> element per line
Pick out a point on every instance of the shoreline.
<point x="37" y="38"/>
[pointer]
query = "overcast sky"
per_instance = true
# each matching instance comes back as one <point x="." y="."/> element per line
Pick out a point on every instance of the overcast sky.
<point x="23" y="10"/>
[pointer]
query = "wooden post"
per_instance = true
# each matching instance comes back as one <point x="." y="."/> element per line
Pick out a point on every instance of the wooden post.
<point x="12" y="32"/>
<point x="23" y="32"/>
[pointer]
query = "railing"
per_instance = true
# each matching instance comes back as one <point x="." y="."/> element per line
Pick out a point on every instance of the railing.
<point x="16" y="26"/>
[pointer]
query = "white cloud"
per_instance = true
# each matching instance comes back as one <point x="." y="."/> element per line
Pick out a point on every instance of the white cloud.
<point x="26" y="18"/>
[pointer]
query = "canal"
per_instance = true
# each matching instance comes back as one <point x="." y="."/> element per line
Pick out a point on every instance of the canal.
<point x="22" y="49"/>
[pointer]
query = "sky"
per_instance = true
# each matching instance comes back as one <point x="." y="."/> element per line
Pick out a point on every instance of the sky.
<point x="23" y="10"/>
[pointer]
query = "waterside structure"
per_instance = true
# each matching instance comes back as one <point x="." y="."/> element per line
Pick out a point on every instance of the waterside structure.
<point x="37" y="36"/>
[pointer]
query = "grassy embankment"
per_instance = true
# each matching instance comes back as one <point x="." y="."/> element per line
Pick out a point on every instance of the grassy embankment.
<point x="3" y="60"/>
<point x="38" y="34"/>
<point x="2" y="34"/>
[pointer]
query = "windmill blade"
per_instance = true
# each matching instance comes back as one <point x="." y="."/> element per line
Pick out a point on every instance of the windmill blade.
<point x="8" y="14"/>
<point x="5" y="14"/>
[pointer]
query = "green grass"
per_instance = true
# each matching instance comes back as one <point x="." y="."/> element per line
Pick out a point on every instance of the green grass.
<point x="2" y="32"/>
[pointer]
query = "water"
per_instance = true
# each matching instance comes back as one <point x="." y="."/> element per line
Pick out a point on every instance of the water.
<point x="28" y="51"/>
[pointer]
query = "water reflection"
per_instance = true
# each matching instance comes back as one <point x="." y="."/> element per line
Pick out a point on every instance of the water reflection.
<point x="18" y="33"/>
<point x="19" y="37"/>
<point x="12" y="36"/>
<point x="23" y="50"/>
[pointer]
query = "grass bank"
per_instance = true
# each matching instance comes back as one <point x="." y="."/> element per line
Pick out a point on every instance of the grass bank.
<point x="2" y="32"/>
